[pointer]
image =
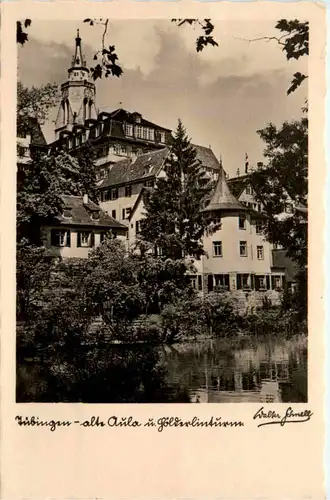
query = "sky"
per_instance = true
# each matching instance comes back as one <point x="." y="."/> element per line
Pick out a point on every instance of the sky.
<point x="223" y="95"/>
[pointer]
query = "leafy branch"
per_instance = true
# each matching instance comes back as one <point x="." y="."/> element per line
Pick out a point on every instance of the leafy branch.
<point x="21" y="35"/>
<point x="295" y="43"/>
<point x="106" y="56"/>
<point x="203" y="40"/>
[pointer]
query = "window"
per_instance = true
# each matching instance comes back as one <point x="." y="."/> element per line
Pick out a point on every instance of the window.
<point x="248" y="190"/>
<point x="193" y="282"/>
<point x="242" y="222"/>
<point x="260" y="252"/>
<point x="217" y="221"/>
<point x="162" y="137"/>
<point x="137" y="226"/>
<point x="243" y="248"/>
<point x="60" y="238"/>
<point x="85" y="239"/>
<point x="113" y="214"/>
<point x="145" y="133"/>
<point x="217" y="249"/>
<point x="261" y="282"/>
<point x="259" y="207"/>
<point x="23" y="151"/>
<point x="128" y="191"/>
<point x="221" y="280"/>
<point x="102" y="151"/>
<point x="151" y="134"/>
<point x="245" y="280"/>
<point x="114" y="194"/>
<point x="106" y="195"/>
<point x="149" y="183"/>
<point x="102" y="237"/>
<point x="126" y="212"/>
<point x="21" y="134"/>
<point x="128" y="129"/>
<point x="259" y="227"/>
<point x="139" y="131"/>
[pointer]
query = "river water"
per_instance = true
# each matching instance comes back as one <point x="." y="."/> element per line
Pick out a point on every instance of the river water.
<point x="263" y="370"/>
<point x="209" y="371"/>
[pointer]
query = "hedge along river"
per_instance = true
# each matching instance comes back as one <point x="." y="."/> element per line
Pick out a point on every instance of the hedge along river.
<point x="270" y="369"/>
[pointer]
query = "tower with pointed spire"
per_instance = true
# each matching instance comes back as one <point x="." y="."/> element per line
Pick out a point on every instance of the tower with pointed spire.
<point x="78" y="94"/>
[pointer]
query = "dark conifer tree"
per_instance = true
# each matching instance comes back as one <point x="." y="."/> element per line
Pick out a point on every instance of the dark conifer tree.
<point x="175" y="221"/>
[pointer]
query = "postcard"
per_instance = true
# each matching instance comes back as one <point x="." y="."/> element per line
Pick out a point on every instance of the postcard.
<point x="163" y="211"/>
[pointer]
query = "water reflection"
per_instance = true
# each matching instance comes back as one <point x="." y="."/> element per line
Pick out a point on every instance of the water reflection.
<point x="264" y="371"/>
<point x="205" y="372"/>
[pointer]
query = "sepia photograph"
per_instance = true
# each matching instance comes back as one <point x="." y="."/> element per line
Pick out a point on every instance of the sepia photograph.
<point x="162" y="211"/>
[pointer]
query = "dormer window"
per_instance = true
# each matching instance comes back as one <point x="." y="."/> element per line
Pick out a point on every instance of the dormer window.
<point x="95" y="215"/>
<point x="137" y="118"/>
<point x="67" y="213"/>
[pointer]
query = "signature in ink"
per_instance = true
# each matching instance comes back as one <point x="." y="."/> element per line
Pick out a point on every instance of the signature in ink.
<point x="291" y="416"/>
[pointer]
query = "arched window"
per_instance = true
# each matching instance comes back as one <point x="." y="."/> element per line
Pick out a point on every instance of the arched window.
<point x="85" y="109"/>
<point x="67" y="111"/>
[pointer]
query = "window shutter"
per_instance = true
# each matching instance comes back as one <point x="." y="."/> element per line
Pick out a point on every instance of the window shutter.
<point x="92" y="241"/>
<point x="199" y="282"/>
<point x="68" y="238"/>
<point x="267" y="283"/>
<point x="78" y="239"/>
<point x="239" y="281"/>
<point x="54" y="237"/>
<point x="210" y="282"/>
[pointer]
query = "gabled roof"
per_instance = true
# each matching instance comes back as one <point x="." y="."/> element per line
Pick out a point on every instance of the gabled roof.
<point x="238" y="184"/>
<point x="222" y="198"/>
<point x="150" y="164"/>
<point x="81" y="214"/>
<point x="32" y="127"/>
<point x="282" y="261"/>
<point x="144" y="166"/>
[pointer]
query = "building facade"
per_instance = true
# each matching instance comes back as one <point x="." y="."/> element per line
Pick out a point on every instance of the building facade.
<point x="115" y="135"/>
<point x="81" y="227"/>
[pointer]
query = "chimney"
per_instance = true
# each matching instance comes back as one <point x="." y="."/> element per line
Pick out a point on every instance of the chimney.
<point x="237" y="172"/>
<point x="85" y="199"/>
<point x="260" y="164"/>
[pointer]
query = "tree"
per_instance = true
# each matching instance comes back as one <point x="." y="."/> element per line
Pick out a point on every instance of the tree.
<point x="86" y="157"/>
<point x="122" y="286"/>
<point x="175" y="221"/>
<point x="40" y="186"/>
<point x="285" y="179"/>
<point x="35" y="102"/>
